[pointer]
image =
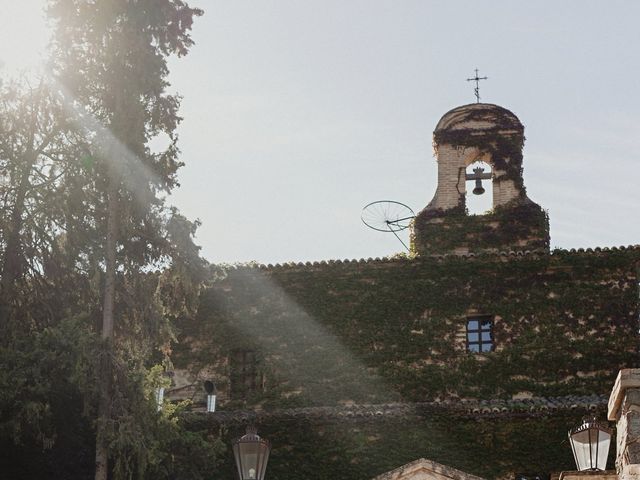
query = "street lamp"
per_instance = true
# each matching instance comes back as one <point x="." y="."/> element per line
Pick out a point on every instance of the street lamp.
<point x="590" y="444"/>
<point x="252" y="454"/>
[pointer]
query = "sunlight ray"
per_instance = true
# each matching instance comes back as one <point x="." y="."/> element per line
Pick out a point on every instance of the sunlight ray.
<point x="123" y="163"/>
<point x="305" y="353"/>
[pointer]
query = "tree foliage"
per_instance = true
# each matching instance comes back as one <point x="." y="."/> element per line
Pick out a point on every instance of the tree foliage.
<point x="39" y="149"/>
<point x="87" y="237"/>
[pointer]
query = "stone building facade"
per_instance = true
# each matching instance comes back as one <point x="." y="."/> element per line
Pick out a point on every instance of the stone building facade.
<point x="478" y="352"/>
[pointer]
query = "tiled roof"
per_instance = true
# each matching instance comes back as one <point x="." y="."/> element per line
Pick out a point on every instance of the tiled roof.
<point x="463" y="408"/>
<point x="469" y="256"/>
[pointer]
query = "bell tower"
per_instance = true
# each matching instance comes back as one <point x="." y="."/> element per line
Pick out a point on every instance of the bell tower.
<point x="469" y="135"/>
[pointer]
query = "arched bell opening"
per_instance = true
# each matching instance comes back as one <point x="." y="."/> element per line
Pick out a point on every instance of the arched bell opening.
<point x="479" y="188"/>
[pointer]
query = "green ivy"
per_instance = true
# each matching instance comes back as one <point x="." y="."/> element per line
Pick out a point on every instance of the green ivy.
<point x="504" y="141"/>
<point x="505" y="228"/>
<point x="518" y="225"/>
<point x="385" y="330"/>
<point x="340" y="449"/>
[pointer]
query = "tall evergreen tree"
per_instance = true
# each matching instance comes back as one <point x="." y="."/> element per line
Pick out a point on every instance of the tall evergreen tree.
<point x="39" y="286"/>
<point x="39" y="147"/>
<point x="110" y="59"/>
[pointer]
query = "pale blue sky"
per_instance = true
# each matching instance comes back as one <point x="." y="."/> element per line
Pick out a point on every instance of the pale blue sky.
<point x="298" y="113"/>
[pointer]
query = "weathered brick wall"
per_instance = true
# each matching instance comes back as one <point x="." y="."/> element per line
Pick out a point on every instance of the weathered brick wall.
<point x="505" y="190"/>
<point x="358" y="446"/>
<point x="494" y="135"/>
<point x="351" y="351"/>
<point x="387" y="330"/>
<point x="517" y="227"/>
<point x="624" y="409"/>
<point x="451" y="189"/>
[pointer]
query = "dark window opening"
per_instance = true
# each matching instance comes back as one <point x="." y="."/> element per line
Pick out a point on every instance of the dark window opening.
<point x="480" y="334"/>
<point x="243" y="365"/>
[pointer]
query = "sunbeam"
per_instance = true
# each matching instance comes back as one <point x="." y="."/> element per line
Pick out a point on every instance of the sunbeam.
<point x="122" y="162"/>
<point x="307" y="358"/>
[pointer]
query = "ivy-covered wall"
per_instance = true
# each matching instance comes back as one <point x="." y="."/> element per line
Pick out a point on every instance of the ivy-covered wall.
<point x="388" y="330"/>
<point x="519" y="226"/>
<point x="492" y="447"/>
<point x="392" y="330"/>
<point x="465" y="135"/>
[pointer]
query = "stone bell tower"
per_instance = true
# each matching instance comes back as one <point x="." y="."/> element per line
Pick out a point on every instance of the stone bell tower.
<point x="486" y="133"/>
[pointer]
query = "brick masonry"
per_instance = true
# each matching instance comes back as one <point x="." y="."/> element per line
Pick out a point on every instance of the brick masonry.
<point x="446" y="216"/>
<point x="624" y="408"/>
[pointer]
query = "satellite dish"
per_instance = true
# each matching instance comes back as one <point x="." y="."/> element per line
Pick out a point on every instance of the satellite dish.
<point x="388" y="216"/>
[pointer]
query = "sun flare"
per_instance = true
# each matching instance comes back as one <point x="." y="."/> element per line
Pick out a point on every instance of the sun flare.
<point x="23" y="36"/>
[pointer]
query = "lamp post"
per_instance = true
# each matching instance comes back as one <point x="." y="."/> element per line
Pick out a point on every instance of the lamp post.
<point x="252" y="454"/>
<point x="590" y="444"/>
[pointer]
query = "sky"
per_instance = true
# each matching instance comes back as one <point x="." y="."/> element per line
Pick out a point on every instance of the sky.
<point x="299" y="113"/>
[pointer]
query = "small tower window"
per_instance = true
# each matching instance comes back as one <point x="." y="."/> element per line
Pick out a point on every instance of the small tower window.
<point x="480" y="333"/>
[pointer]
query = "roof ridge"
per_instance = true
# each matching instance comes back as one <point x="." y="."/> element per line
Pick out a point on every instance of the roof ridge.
<point x="534" y="406"/>
<point x="556" y="252"/>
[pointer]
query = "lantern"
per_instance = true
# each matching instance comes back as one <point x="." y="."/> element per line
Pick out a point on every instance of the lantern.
<point x="590" y="444"/>
<point x="251" y="453"/>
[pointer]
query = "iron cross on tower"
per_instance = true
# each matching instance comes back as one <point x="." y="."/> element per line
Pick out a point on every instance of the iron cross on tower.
<point x="477" y="89"/>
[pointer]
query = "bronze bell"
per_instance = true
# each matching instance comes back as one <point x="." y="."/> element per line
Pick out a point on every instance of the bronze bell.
<point x="479" y="190"/>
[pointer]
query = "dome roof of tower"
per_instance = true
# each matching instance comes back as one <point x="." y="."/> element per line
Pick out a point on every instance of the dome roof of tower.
<point x="480" y="117"/>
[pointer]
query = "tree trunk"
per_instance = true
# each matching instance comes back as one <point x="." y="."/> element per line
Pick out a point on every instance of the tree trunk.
<point x="106" y="372"/>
